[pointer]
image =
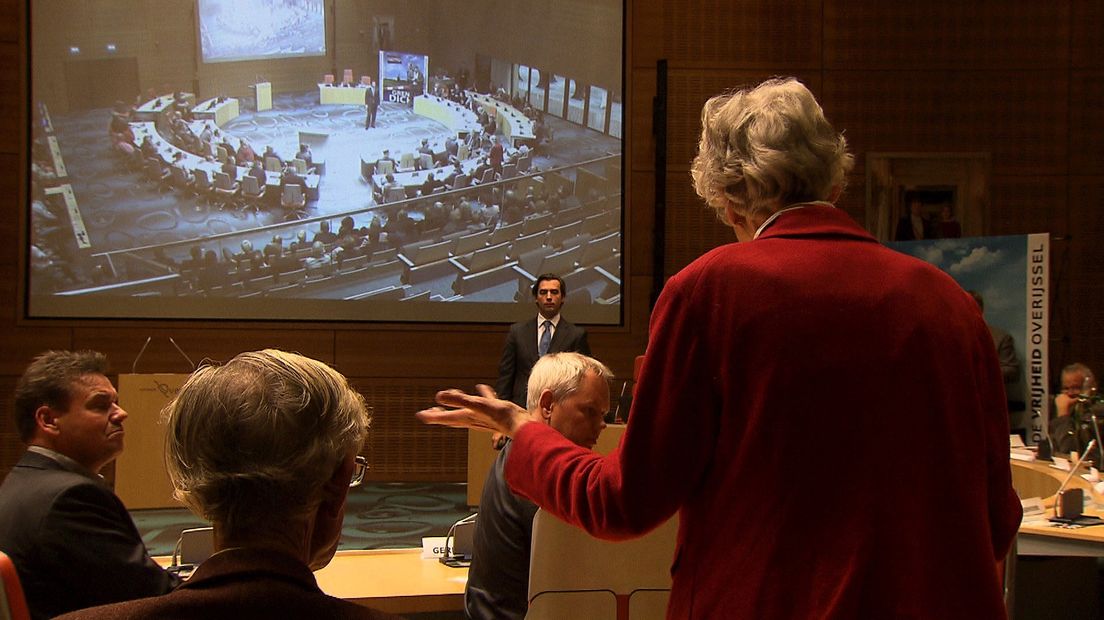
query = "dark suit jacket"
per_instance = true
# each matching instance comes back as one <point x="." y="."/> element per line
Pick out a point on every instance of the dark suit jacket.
<point x="240" y="584"/>
<point x="72" y="540"/>
<point x="520" y="353"/>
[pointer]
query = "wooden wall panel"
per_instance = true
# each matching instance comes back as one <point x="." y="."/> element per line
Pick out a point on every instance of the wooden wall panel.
<point x="11" y="98"/>
<point x="378" y="352"/>
<point x="755" y="33"/>
<point x="1086" y="102"/>
<point x="1015" y="115"/>
<point x="11" y="449"/>
<point x="692" y="227"/>
<point x="1086" y="44"/>
<point x="399" y="447"/>
<point x="123" y="344"/>
<point x="1023" y="205"/>
<point x="896" y="36"/>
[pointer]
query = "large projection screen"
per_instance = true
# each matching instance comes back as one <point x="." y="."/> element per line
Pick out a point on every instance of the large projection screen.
<point x="232" y="30"/>
<point x="151" y="194"/>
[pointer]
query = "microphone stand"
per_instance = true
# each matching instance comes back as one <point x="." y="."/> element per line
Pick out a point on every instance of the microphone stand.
<point x="1068" y="503"/>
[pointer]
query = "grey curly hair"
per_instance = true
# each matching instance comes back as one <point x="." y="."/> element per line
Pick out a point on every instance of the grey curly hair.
<point x="767" y="147"/>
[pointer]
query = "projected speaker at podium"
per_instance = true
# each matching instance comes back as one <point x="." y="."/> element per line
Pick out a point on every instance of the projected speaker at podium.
<point x="403" y="76"/>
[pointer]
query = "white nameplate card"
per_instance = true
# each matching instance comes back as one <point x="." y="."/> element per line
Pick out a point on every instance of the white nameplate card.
<point x="434" y="547"/>
<point x="1033" y="509"/>
<point x="1061" y="463"/>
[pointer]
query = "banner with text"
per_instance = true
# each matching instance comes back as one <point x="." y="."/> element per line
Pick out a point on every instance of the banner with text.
<point x="1011" y="274"/>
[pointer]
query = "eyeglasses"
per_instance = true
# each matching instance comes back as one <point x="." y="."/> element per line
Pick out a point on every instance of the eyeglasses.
<point x="360" y="468"/>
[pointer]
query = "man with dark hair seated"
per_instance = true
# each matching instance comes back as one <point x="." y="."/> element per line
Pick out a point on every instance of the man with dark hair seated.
<point x="265" y="447"/>
<point x="72" y="541"/>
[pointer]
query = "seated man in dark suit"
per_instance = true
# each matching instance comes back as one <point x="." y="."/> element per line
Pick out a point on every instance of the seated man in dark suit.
<point x="257" y="172"/>
<point x="266" y="448"/>
<point x="430" y="184"/>
<point x="230" y="167"/>
<point x="570" y="393"/>
<point x="290" y="177"/>
<point x="528" y="340"/>
<point x="71" y="539"/>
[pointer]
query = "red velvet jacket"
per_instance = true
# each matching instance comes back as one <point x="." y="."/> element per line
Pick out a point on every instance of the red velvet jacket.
<point x="827" y="416"/>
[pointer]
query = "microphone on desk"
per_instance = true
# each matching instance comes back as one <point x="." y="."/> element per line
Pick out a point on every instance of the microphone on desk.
<point x="1068" y="503"/>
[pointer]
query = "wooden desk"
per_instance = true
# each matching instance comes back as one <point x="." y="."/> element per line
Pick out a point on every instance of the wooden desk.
<point x="511" y="122"/>
<point x="349" y="95"/>
<point x="398" y="581"/>
<point x="1039" y="479"/>
<point x="221" y="112"/>
<point x="167" y="151"/>
<point x="449" y="113"/>
<point x="394" y="580"/>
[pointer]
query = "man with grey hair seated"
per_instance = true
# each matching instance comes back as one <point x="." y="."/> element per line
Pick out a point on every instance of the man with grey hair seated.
<point x="570" y="393"/>
<point x="265" y="447"/>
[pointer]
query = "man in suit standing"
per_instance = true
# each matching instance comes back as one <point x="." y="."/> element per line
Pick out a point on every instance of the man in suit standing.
<point x="371" y="100"/>
<point x="71" y="539"/>
<point x="528" y="340"/>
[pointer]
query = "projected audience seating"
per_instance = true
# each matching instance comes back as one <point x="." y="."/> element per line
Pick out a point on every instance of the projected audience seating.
<point x="198" y="205"/>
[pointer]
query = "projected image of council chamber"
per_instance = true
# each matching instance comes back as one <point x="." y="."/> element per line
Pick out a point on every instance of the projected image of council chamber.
<point x="419" y="179"/>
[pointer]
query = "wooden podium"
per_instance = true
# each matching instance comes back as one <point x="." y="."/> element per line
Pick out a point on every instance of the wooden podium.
<point x="140" y="477"/>
<point x="263" y="90"/>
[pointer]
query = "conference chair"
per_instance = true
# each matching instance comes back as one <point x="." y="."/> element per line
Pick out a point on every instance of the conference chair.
<point x="272" y="164"/>
<point x="300" y="166"/>
<point x="158" y="172"/>
<point x="13" y="604"/>
<point x="226" y="190"/>
<point x="462" y="152"/>
<point x="574" y="575"/>
<point x="385" y="167"/>
<point x="348" y="77"/>
<point x="509" y="171"/>
<point x="524" y="163"/>
<point x="202" y="185"/>
<point x="293" y="201"/>
<point x="179" y="179"/>
<point x="252" y="192"/>
<point x="328" y="79"/>
<point x="394" y="194"/>
<point x="426" y="161"/>
<point x="407" y="162"/>
<point x="221" y="154"/>
<point x="461" y="181"/>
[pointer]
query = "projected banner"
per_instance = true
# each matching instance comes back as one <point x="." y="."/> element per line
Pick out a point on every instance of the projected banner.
<point x="403" y="76"/>
<point x="258" y="29"/>
<point x="1012" y="276"/>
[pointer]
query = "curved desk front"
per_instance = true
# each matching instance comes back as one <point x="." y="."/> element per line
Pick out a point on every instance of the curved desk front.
<point x="192" y="162"/>
<point x="1039" y="479"/>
